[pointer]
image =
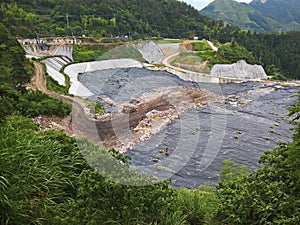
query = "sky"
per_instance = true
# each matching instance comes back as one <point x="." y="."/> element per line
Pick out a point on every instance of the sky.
<point x="199" y="4"/>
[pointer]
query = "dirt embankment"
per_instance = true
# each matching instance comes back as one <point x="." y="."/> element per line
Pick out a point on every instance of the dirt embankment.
<point x="134" y="124"/>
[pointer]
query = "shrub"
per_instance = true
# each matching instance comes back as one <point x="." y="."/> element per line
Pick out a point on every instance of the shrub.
<point x="54" y="86"/>
<point x="201" y="46"/>
<point x="199" y="205"/>
<point x="84" y="53"/>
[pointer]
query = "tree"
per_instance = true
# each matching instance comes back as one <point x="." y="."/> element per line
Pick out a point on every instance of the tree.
<point x="233" y="52"/>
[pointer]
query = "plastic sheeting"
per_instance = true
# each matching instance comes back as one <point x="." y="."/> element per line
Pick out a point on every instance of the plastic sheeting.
<point x="251" y="121"/>
<point x="194" y="139"/>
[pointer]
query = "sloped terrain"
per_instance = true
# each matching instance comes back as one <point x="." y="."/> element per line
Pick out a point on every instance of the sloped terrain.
<point x="271" y="16"/>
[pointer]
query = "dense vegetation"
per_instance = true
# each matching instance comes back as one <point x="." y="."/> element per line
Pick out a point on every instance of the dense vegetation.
<point x="15" y="73"/>
<point x="106" y="18"/>
<point x="119" y="18"/>
<point x="272" y="16"/>
<point x="12" y="55"/>
<point x="279" y="49"/>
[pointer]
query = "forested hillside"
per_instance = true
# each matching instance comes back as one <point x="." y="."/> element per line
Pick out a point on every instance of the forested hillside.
<point x="241" y="15"/>
<point x="271" y="16"/>
<point x="285" y="11"/>
<point x="136" y="18"/>
<point x="279" y="49"/>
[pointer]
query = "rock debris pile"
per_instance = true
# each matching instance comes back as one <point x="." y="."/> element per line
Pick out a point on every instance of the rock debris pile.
<point x="150" y="51"/>
<point x="240" y="70"/>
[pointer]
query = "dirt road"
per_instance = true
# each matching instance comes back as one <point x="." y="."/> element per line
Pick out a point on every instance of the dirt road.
<point x="38" y="82"/>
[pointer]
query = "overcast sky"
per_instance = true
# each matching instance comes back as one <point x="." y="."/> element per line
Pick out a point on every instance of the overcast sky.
<point x="199" y="4"/>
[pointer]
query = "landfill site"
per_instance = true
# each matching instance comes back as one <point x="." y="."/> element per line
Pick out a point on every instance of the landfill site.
<point x="173" y="123"/>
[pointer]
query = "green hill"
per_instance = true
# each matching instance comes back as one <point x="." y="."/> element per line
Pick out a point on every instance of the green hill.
<point x="106" y="18"/>
<point x="140" y="19"/>
<point x="285" y="11"/>
<point x="272" y="16"/>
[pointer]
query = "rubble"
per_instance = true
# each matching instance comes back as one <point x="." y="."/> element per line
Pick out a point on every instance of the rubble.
<point x="240" y="70"/>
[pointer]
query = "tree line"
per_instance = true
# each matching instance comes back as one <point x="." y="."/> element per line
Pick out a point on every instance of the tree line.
<point x="136" y="19"/>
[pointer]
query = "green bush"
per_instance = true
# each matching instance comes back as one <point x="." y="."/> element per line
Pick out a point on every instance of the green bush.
<point x="209" y="55"/>
<point x="54" y="86"/>
<point x="84" y="53"/>
<point x="232" y="52"/>
<point x="199" y="205"/>
<point x="36" y="103"/>
<point x="280" y="77"/>
<point x="201" y="46"/>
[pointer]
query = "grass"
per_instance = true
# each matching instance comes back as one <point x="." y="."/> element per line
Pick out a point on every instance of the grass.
<point x="199" y="204"/>
<point x="84" y="53"/>
<point x="122" y="52"/>
<point x="201" y="46"/>
<point x="187" y="58"/>
<point x="169" y="41"/>
<point x="54" y="86"/>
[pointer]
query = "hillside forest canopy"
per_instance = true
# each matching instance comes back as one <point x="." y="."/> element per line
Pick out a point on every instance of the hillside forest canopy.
<point x="172" y="19"/>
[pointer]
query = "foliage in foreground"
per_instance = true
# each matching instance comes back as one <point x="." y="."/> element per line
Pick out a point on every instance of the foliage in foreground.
<point x="46" y="180"/>
<point x="30" y="103"/>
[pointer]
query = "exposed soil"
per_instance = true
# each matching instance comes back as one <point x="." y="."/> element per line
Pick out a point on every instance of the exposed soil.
<point x="132" y="124"/>
<point x="200" y="67"/>
<point x="154" y="112"/>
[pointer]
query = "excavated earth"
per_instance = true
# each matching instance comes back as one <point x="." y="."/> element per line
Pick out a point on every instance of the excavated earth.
<point x="198" y="124"/>
<point x="172" y="128"/>
<point x="138" y="103"/>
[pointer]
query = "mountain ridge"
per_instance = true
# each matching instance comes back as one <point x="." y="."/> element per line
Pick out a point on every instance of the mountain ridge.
<point x="271" y="16"/>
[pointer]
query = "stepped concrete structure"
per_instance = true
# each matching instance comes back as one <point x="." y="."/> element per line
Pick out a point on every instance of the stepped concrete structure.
<point x="239" y="70"/>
